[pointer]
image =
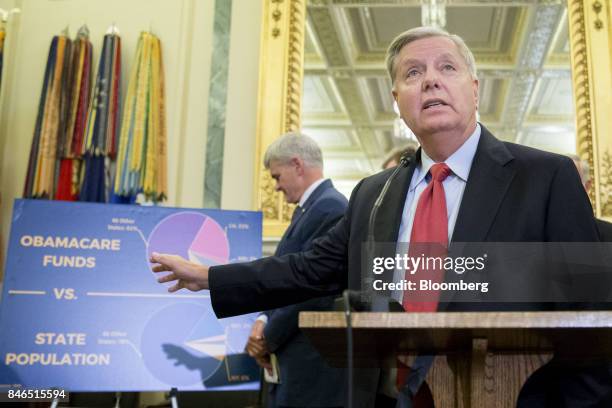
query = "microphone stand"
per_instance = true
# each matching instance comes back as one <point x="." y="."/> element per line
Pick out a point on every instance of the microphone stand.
<point x="366" y="285"/>
<point x="365" y="294"/>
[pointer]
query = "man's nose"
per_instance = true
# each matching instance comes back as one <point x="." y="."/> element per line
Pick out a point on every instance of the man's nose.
<point x="431" y="79"/>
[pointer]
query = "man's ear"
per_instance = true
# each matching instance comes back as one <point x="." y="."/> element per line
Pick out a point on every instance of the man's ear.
<point x="299" y="165"/>
<point x="476" y="86"/>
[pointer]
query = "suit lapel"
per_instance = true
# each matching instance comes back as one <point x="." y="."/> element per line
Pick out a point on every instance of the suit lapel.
<point x="488" y="182"/>
<point x="313" y="197"/>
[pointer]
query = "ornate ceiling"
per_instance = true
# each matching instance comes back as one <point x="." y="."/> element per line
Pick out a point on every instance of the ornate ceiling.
<point x="522" y="55"/>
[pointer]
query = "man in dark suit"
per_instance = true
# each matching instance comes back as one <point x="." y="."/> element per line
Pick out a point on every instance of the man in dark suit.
<point x="488" y="190"/>
<point x="295" y="163"/>
<point x="604" y="227"/>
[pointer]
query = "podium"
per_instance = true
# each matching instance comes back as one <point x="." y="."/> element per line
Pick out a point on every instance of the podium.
<point x="482" y="358"/>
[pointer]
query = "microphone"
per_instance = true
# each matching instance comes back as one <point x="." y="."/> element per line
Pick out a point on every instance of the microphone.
<point x="366" y="285"/>
<point x="363" y="300"/>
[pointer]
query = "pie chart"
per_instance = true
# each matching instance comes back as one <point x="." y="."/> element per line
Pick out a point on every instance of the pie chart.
<point x="183" y="345"/>
<point x="192" y="235"/>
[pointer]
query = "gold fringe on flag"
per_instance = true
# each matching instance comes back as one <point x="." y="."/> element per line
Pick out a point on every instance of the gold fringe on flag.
<point x="142" y="157"/>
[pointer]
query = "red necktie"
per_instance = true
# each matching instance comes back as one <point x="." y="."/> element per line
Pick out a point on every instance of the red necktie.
<point x="428" y="240"/>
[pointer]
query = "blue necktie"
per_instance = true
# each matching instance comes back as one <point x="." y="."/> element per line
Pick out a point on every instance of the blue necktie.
<point x="296" y="215"/>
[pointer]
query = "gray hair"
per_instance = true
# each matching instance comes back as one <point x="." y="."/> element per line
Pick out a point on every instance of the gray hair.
<point x="292" y="145"/>
<point x="583" y="167"/>
<point x="426" y="32"/>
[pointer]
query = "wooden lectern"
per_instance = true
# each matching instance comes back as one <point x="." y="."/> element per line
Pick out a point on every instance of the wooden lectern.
<point x="483" y="358"/>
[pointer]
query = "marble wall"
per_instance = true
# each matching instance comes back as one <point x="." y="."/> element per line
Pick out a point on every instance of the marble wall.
<point x="217" y="98"/>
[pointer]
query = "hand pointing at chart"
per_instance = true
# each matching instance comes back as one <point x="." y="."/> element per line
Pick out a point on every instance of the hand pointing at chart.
<point x="191" y="276"/>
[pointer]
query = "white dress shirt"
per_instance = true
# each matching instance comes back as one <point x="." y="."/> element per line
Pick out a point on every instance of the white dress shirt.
<point x="460" y="164"/>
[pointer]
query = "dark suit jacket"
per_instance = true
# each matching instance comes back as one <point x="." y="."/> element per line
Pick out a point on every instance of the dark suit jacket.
<point x="513" y="194"/>
<point x="306" y="379"/>
<point x="605" y="230"/>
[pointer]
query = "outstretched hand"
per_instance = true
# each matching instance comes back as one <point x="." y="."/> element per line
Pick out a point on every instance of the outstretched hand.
<point x="189" y="275"/>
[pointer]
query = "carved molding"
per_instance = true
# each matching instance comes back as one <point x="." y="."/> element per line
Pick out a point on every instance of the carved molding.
<point x="605" y="179"/>
<point x="597" y="7"/>
<point x="279" y="100"/>
<point x="591" y="56"/>
<point x="276" y="15"/>
<point x="295" y="65"/>
<point x="580" y="83"/>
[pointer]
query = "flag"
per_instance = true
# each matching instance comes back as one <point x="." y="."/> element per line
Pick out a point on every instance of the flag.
<point x="141" y="161"/>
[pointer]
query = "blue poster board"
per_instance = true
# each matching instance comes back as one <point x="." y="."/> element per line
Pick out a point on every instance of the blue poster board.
<point x="82" y="311"/>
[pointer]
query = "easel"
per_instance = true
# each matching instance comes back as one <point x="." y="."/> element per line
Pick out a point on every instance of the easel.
<point x="117" y="399"/>
<point x="173" y="398"/>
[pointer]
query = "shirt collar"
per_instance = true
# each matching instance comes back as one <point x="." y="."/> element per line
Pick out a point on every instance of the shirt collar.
<point x="459" y="162"/>
<point x="311" y="188"/>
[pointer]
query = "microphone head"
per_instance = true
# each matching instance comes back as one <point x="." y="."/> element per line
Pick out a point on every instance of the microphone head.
<point x="406" y="159"/>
